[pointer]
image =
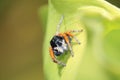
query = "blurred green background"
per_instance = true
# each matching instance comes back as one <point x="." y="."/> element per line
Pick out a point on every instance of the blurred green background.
<point x="21" y="40"/>
<point x="21" y="36"/>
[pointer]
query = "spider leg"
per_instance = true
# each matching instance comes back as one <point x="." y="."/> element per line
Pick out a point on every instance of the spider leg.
<point x="76" y="40"/>
<point x="54" y="59"/>
<point x="69" y="45"/>
<point x="76" y="31"/>
<point x="72" y="31"/>
<point x="58" y="26"/>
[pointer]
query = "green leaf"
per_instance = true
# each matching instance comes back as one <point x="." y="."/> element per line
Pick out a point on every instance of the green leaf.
<point x="94" y="59"/>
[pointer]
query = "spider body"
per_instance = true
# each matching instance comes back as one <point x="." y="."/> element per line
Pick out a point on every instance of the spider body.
<point x="59" y="45"/>
<point x="61" y="42"/>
